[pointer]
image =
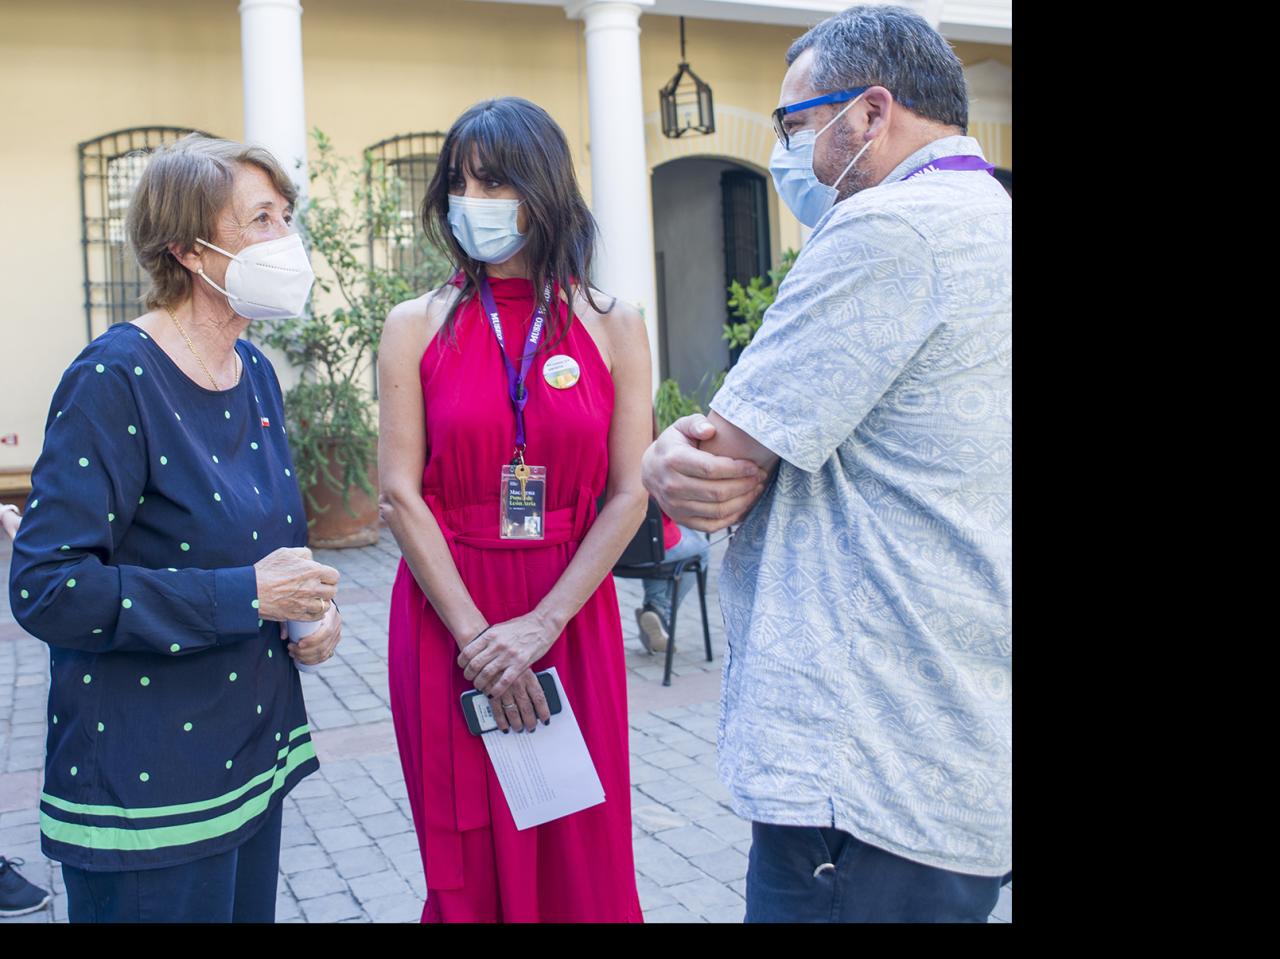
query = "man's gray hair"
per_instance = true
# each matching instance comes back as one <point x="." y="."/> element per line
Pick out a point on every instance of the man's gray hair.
<point x="890" y="47"/>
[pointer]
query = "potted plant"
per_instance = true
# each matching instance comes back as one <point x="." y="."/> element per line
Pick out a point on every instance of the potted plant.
<point x="330" y="411"/>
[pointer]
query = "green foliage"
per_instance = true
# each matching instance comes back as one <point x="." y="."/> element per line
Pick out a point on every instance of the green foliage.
<point x="330" y="410"/>
<point x="670" y="403"/>
<point x="750" y="303"/>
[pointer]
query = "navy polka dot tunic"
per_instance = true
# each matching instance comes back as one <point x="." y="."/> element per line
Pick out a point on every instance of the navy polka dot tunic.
<point x="176" y="719"/>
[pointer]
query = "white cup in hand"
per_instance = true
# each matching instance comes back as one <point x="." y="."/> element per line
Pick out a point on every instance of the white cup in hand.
<point x="297" y="630"/>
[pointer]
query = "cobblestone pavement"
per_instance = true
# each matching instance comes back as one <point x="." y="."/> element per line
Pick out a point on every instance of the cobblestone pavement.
<point x="348" y="849"/>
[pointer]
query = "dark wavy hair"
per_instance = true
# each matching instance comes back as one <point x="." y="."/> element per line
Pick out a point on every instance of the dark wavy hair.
<point x="514" y="141"/>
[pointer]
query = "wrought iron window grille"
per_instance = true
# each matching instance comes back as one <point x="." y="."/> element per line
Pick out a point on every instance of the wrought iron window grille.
<point x="110" y="167"/>
<point x="412" y="158"/>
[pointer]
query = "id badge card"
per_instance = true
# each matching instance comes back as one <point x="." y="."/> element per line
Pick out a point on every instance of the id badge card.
<point x="522" y="500"/>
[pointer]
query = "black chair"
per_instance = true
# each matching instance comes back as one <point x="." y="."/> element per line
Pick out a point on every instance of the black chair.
<point x="644" y="558"/>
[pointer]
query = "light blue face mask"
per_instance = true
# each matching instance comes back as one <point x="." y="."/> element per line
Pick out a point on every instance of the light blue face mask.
<point x="486" y="229"/>
<point x="804" y="194"/>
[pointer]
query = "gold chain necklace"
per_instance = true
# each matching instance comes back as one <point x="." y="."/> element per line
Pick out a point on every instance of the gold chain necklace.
<point x="191" y="347"/>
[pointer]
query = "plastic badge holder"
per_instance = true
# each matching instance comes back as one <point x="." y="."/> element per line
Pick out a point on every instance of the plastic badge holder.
<point x="522" y="504"/>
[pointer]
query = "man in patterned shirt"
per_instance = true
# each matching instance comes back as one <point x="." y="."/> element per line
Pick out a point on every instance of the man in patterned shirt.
<point x="864" y="441"/>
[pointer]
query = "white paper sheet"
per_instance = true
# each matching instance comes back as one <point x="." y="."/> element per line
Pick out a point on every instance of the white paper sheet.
<point x="547" y="774"/>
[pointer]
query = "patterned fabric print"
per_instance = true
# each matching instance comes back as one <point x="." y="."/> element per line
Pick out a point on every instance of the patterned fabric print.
<point x="868" y="596"/>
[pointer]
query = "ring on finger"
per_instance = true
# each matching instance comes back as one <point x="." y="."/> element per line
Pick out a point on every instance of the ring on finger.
<point x="510" y="706"/>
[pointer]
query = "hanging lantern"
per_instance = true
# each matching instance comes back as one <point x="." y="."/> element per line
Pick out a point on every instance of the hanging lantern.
<point x="686" y="101"/>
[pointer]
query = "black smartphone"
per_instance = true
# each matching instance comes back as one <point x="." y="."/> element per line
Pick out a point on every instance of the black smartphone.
<point x="477" y="708"/>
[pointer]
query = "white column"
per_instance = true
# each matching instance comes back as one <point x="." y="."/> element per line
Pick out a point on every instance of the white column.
<point x="274" y="114"/>
<point x="619" y="169"/>
<point x="271" y="54"/>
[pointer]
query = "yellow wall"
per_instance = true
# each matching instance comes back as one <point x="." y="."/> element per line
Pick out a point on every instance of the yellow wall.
<point x="75" y="69"/>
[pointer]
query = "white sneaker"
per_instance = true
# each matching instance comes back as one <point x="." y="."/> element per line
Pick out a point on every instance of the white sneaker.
<point x="653" y="633"/>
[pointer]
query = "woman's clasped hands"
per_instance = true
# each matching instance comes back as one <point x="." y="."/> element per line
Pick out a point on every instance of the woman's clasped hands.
<point x="497" y="662"/>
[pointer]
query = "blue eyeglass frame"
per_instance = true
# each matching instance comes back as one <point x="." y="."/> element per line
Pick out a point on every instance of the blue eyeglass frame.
<point x="839" y="96"/>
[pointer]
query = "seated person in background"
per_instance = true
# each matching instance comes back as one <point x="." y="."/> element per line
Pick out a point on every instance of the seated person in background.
<point x="17" y="896"/>
<point x="679" y="542"/>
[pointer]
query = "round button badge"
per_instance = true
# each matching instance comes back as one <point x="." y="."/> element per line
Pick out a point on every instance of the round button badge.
<point x="561" y="371"/>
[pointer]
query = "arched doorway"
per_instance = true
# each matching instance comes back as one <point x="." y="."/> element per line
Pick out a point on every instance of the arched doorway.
<point x="711" y="225"/>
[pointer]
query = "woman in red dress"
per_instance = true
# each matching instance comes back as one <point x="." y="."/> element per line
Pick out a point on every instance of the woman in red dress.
<point x="472" y="608"/>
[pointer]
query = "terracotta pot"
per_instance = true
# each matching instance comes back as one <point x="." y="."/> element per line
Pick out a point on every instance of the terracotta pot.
<point x="336" y="527"/>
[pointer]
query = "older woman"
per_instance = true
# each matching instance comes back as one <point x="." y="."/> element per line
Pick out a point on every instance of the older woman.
<point x="160" y="555"/>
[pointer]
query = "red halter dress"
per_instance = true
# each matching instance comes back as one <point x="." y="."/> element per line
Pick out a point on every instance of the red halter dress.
<point x="478" y="866"/>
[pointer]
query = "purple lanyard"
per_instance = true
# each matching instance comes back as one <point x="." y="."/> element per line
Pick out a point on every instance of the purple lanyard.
<point x="961" y="163"/>
<point x="515" y="382"/>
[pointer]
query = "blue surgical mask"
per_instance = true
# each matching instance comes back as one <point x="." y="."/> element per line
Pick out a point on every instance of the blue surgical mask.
<point x="486" y="229"/>
<point x="804" y="194"/>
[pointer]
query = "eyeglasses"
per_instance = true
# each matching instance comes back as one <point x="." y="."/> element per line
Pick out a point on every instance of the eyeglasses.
<point x="839" y="96"/>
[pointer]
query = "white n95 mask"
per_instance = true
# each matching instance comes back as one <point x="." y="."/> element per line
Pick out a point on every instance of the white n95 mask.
<point x="268" y="280"/>
<point x="486" y="229"/>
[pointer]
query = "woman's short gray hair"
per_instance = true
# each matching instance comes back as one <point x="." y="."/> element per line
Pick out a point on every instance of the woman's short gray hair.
<point x="890" y="47"/>
<point x="184" y="187"/>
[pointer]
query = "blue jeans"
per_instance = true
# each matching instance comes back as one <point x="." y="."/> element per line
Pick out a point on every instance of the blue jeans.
<point x="657" y="592"/>
<point x="866" y="884"/>
<point x="235" y="886"/>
